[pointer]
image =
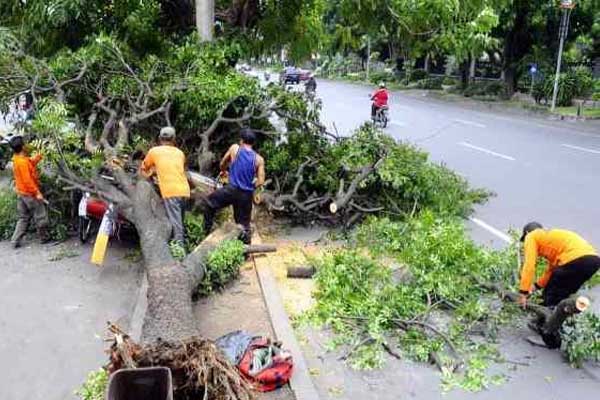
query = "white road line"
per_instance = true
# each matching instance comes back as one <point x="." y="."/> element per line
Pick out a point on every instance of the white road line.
<point x="401" y="124"/>
<point x="465" y="122"/>
<point x="490" y="152"/>
<point x="570" y="146"/>
<point x="496" y="232"/>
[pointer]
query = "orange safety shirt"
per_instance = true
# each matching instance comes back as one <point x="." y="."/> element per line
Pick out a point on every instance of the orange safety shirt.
<point x="558" y="246"/>
<point x="169" y="164"/>
<point x="27" y="181"/>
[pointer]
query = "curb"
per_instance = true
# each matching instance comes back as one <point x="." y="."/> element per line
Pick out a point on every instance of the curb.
<point x="139" y="311"/>
<point x="301" y="383"/>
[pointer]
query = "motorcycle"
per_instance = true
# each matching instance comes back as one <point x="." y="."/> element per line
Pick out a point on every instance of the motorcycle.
<point x="381" y="117"/>
<point x="92" y="211"/>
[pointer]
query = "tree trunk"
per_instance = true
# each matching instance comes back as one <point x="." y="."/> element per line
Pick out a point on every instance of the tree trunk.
<point x="205" y="19"/>
<point x="464" y="74"/>
<point x="170" y="282"/>
<point x="426" y="63"/>
<point x="517" y="42"/>
<point x="472" y="65"/>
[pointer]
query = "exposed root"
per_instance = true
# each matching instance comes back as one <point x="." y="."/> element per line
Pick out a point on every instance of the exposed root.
<point x="199" y="368"/>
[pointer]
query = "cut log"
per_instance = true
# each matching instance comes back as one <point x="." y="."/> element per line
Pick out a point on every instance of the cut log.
<point x="549" y="321"/>
<point x="550" y="331"/>
<point x="303" y="271"/>
<point x="260" y="248"/>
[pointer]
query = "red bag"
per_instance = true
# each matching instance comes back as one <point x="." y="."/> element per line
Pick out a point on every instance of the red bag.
<point x="273" y="375"/>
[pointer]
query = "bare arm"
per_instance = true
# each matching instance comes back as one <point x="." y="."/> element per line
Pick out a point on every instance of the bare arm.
<point x="228" y="157"/>
<point x="260" y="171"/>
<point x="147" y="165"/>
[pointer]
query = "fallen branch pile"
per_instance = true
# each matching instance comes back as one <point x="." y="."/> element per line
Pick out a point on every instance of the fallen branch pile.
<point x="199" y="368"/>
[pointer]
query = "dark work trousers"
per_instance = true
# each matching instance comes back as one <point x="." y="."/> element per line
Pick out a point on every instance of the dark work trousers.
<point x="241" y="201"/>
<point x="567" y="279"/>
<point x="175" y="207"/>
<point x="373" y="110"/>
<point x="28" y="207"/>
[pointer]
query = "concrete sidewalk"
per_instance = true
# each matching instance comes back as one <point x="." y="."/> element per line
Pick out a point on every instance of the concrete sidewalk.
<point x="54" y="316"/>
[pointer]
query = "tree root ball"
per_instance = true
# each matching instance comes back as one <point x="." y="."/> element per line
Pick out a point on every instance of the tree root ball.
<point x="199" y="369"/>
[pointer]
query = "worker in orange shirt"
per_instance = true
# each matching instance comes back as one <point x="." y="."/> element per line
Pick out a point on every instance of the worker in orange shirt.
<point x="30" y="201"/>
<point x="168" y="163"/>
<point x="571" y="262"/>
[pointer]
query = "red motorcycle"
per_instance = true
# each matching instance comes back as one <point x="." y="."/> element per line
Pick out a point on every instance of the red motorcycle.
<point x="92" y="211"/>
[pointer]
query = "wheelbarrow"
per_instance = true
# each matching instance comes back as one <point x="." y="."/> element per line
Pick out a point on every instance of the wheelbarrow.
<point x="154" y="383"/>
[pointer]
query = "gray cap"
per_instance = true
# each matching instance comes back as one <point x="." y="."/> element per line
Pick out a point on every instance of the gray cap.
<point x="167" y="133"/>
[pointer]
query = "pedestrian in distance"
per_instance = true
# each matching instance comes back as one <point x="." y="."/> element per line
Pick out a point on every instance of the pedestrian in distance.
<point x="572" y="261"/>
<point x="245" y="170"/>
<point x="167" y="162"/>
<point x="30" y="200"/>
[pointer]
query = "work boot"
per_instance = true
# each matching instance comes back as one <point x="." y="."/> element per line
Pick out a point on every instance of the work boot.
<point x="16" y="244"/>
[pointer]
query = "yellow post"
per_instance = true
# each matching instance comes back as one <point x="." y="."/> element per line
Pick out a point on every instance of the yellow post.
<point x="101" y="244"/>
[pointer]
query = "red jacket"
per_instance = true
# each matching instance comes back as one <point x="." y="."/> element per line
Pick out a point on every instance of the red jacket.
<point x="380" y="98"/>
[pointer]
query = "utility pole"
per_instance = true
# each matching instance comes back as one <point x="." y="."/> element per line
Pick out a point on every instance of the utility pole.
<point x="567" y="7"/>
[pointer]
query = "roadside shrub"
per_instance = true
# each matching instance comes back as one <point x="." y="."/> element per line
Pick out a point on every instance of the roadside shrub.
<point x="418" y="75"/>
<point x="596" y="94"/>
<point x="490" y="88"/>
<point x="222" y="267"/>
<point x="380" y="76"/>
<point x="8" y="213"/>
<point x="430" y="83"/>
<point x="449" y="81"/>
<point x="95" y="386"/>
<point x="576" y="83"/>
<point x="194" y="226"/>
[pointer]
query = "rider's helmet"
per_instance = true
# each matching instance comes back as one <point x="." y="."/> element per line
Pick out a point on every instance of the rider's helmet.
<point x="382" y="85"/>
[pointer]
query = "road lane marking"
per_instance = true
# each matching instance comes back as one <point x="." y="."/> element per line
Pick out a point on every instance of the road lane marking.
<point x="401" y="124"/>
<point x="465" y="122"/>
<point x="490" y="152"/>
<point x="496" y="232"/>
<point x="570" y="146"/>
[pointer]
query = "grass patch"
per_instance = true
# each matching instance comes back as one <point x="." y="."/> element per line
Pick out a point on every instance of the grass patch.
<point x="571" y="111"/>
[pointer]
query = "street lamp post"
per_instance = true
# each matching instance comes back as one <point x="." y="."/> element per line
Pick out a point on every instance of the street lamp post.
<point x="566" y="6"/>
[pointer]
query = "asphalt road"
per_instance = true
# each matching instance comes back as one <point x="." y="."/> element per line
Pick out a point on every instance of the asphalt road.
<point x="539" y="169"/>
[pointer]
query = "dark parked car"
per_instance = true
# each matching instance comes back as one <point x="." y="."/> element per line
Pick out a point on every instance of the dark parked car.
<point x="290" y="75"/>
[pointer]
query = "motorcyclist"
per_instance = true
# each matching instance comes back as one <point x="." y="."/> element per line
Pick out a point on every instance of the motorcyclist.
<point x="380" y="99"/>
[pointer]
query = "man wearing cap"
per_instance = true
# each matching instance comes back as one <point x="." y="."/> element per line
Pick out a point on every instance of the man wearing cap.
<point x="168" y="163"/>
<point x="571" y="262"/>
<point x="246" y="170"/>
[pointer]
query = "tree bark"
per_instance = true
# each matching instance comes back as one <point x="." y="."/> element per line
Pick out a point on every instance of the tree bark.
<point x="517" y="42"/>
<point x="464" y="74"/>
<point x="205" y="19"/>
<point x="472" y="67"/>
